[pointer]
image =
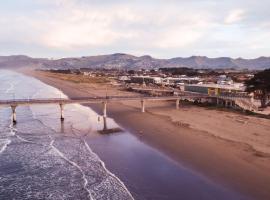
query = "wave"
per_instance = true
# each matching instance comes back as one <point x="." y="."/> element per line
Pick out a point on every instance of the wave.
<point x="12" y="130"/>
<point x="3" y="144"/>
<point x="104" y="167"/>
<point x="75" y="165"/>
<point x="10" y="88"/>
<point x="25" y="140"/>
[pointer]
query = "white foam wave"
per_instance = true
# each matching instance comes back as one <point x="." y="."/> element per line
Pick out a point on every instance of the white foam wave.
<point x="110" y="173"/>
<point x="3" y="144"/>
<point x="10" y="88"/>
<point x="75" y="165"/>
<point x="24" y="140"/>
<point x="13" y="130"/>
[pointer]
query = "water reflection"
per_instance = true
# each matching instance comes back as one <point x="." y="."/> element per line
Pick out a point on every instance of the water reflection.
<point x="105" y="128"/>
<point x="62" y="130"/>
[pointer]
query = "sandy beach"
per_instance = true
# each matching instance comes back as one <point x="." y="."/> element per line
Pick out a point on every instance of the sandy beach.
<point x="228" y="147"/>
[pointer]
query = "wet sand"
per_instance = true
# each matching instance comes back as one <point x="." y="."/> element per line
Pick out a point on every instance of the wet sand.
<point x="227" y="147"/>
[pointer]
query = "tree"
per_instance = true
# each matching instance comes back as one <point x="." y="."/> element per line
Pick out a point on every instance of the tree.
<point x="260" y="84"/>
<point x="131" y="72"/>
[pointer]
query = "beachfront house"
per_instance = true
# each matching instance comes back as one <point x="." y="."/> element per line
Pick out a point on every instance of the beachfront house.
<point x="216" y="89"/>
<point x="146" y="80"/>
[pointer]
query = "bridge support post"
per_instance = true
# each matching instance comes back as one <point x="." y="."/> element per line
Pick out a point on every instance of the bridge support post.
<point x="252" y="98"/>
<point x="143" y="105"/>
<point x="104" y="109"/>
<point x="14" y="119"/>
<point x="231" y="103"/>
<point x="226" y="103"/>
<point x="177" y="104"/>
<point x="61" y="111"/>
<point x="217" y="101"/>
<point x="235" y="104"/>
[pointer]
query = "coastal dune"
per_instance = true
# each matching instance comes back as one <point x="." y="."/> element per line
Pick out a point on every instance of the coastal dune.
<point x="228" y="147"/>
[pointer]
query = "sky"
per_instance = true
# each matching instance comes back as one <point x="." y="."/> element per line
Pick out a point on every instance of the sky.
<point x="160" y="28"/>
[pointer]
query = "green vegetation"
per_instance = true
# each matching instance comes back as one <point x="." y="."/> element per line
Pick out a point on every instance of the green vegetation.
<point x="260" y="84"/>
<point x="180" y="71"/>
<point x="78" y="78"/>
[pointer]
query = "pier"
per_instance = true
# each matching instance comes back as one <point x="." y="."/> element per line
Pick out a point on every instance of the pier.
<point x="226" y="101"/>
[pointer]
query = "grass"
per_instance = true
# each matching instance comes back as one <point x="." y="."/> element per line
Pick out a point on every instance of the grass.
<point x="78" y="78"/>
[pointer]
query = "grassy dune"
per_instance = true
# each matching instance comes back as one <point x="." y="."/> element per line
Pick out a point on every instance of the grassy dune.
<point x="77" y="78"/>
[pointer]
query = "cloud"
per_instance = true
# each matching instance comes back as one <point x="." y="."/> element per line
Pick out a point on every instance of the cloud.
<point x="164" y="28"/>
<point x="78" y="26"/>
<point x="184" y="33"/>
<point x="235" y="16"/>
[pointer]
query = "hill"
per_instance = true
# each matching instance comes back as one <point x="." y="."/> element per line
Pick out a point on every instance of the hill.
<point x="126" y="61"/>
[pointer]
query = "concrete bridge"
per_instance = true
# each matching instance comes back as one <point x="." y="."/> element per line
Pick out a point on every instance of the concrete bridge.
<point x="226" y="101"/>
<point x="84" y="100"/>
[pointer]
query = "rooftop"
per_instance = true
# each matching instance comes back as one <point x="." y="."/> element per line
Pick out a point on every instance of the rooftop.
<point x="236" y="86"/>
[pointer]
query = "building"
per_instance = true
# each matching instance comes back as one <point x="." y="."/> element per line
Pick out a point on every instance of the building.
<point x="224" y="80"/>
<point x="124" y="78"/>
<point x="216" y="89"/>
<point x="182" y="79"/>
<point x="146" y="80"/>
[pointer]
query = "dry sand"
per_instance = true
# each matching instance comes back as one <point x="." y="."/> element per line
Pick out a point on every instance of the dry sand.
<point x="228" y="147"/>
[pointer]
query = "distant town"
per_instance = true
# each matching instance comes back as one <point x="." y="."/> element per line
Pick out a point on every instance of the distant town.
<point x="178" y="81"/>
<point x="207" y="81"/>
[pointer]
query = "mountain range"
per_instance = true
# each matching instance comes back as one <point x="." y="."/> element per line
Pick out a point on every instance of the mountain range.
<point x="126" y="61"/>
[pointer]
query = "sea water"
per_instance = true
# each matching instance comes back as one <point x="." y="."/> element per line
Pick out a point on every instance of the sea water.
<point x="41" y="159"/>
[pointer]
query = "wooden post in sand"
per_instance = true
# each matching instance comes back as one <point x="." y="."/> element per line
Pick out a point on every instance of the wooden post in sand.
<point x="143" y="105"/>
<point x="104" y="109"/>
<point x="13" y="108"/>
<point x="61" y="112"/>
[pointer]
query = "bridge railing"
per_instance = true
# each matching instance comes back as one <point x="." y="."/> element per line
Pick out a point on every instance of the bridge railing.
<point x="130" y="97"/>
<point x="57" y="100"/>
<point x="30" y="99"/>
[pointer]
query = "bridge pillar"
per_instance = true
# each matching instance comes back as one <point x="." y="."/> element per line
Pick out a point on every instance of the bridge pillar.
<point x="143" y="105"/>
<point x="104" y="109"/>
<point x="14" y="119"/>
<point x="177" y="104"/>
<point x="228" y="104"/>
<point x="62" y="111"/>
<point x="235" y="104"/>
<point x="217" y="101"/>
<point x="252" y="97"/>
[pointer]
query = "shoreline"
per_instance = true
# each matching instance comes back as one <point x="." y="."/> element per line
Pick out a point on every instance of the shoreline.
<point x="235" y="164"/>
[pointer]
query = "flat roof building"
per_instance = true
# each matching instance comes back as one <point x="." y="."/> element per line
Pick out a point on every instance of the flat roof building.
<point x="215" y="89"/>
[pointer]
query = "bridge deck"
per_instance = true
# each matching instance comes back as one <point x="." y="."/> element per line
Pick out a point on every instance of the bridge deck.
<point x="82" y="100"/>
